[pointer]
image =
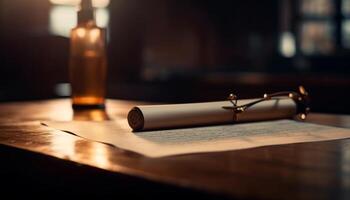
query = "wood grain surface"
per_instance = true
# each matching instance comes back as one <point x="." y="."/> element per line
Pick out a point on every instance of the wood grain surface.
<point x="319" y="170"/>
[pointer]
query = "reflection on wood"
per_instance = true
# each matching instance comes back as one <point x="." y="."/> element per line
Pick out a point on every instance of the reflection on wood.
<point x="287" y="171"/>
<point x="90" y="115"/>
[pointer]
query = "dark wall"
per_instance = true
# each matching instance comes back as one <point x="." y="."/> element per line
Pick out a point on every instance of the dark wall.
<point x="171" y="51"/>
<point x="192" y="35"/>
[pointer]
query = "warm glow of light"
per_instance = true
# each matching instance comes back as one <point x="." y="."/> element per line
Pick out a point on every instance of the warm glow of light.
<point x="99" y="155"/>
<point x="287" y="45"/>
<point x="95" y="3"/>
<point x="100" y="3"/>
<point x="64" y="18"/>
<point x="63" y="144"/>
<point x="97" y="116"/>
<point x="66" y="2"/>
<point x="102" y="17"/>
<point x="302" y="90"/>
<point x="81" y="32"/>
<point x="94" y="35"/>
<point x="58" y="112"/>
<point x="90" y="115"/>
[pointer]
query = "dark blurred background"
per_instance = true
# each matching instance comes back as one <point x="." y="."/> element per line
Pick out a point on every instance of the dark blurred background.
<point x="184" y="50"/>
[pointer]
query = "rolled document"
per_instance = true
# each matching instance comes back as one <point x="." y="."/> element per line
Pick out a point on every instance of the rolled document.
<point x="152" y="117"/>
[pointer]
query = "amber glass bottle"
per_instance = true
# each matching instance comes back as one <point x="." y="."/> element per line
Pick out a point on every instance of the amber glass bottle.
<point x="88" y="61"/>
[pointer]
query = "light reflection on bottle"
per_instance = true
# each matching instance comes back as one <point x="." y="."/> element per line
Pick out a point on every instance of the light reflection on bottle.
<point x="88" y="65"/>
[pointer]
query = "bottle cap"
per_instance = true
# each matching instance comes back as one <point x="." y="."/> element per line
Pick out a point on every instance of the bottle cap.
<point x="86" y="12"/>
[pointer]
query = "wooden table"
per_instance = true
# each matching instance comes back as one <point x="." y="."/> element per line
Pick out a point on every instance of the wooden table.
<point x="40" y="160"/>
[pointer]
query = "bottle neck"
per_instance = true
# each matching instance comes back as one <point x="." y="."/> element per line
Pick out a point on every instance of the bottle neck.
<point x="87" y="24"/>
<point x="86" y="15"/>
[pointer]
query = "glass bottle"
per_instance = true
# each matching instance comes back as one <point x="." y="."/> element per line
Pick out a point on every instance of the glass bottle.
<point x="88" y="61"/>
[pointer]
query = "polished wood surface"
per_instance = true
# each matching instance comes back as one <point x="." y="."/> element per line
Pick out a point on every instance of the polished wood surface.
<point x="319" y="170"/>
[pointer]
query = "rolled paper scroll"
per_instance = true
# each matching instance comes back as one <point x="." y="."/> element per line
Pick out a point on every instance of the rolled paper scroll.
<point x="152" y="117"/>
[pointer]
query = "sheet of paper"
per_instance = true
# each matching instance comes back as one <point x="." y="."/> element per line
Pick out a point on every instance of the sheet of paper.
<point x="201" y="139"/>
